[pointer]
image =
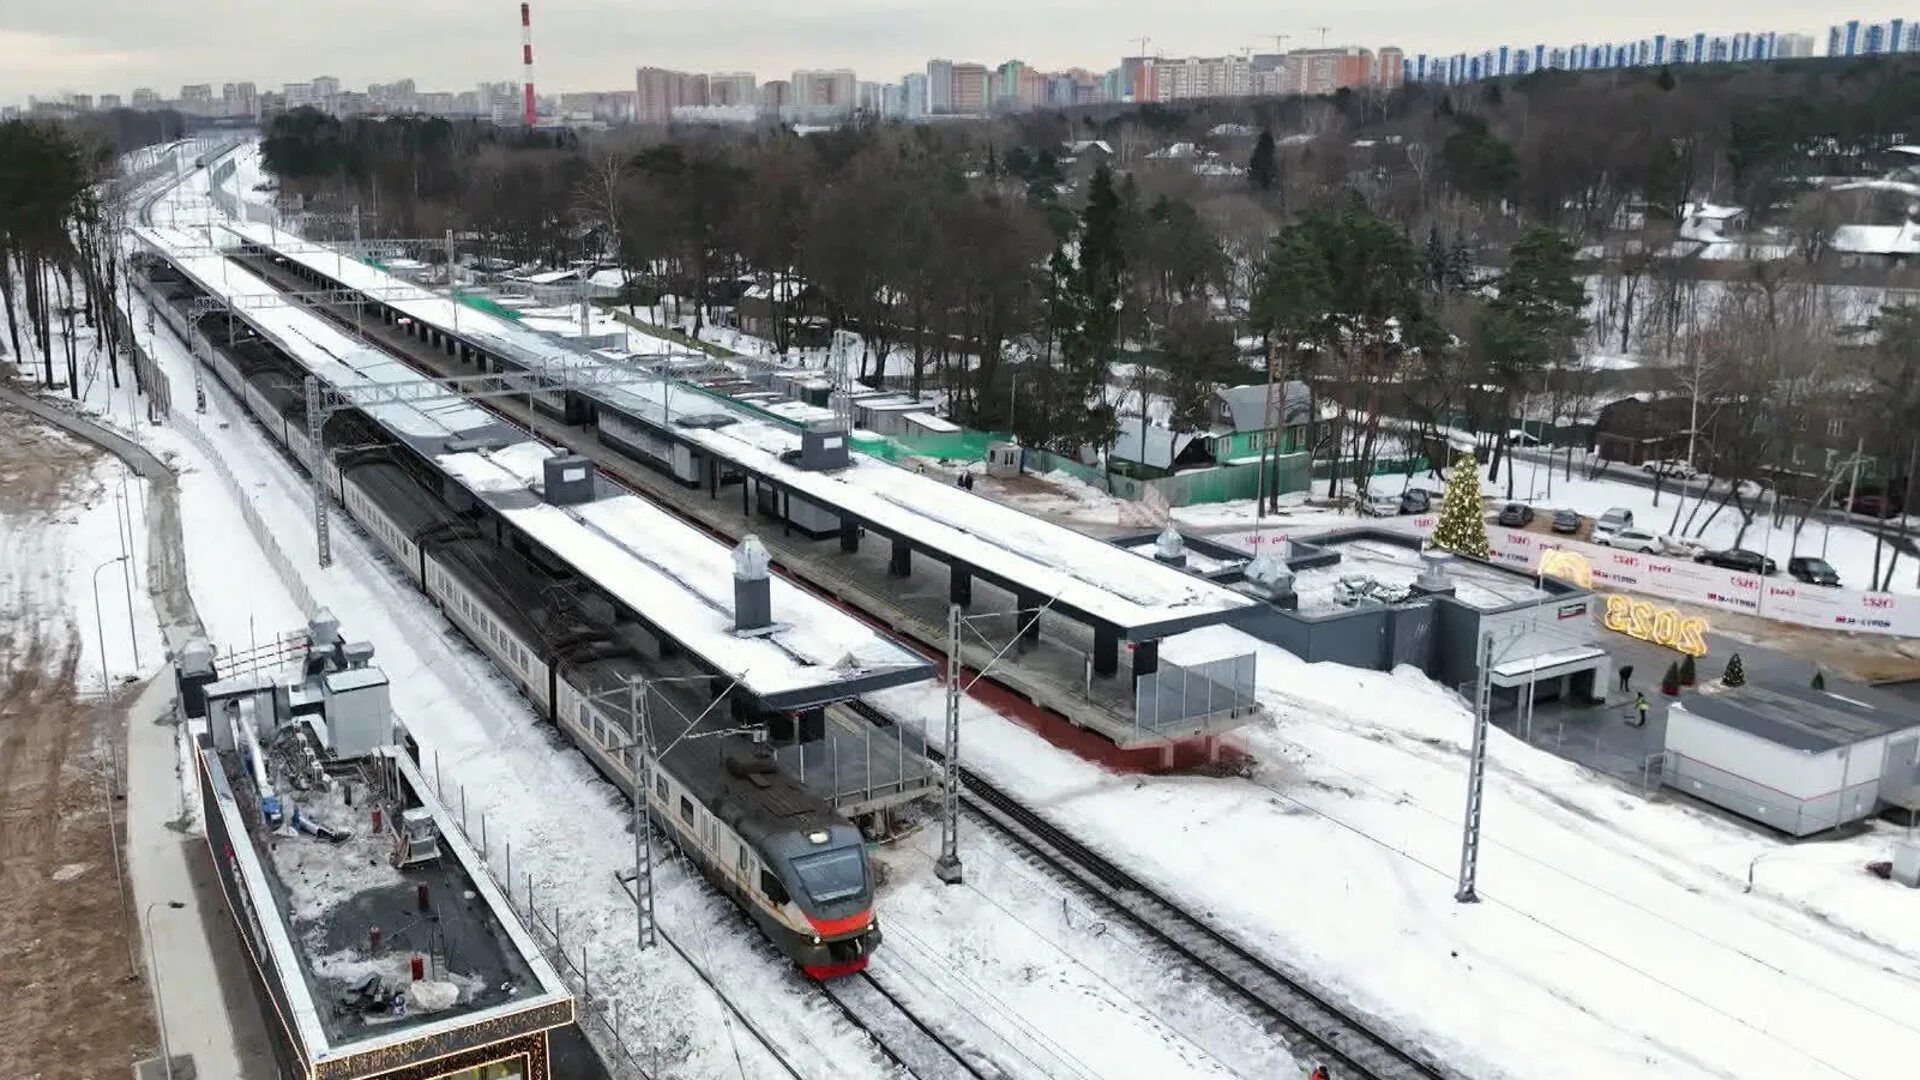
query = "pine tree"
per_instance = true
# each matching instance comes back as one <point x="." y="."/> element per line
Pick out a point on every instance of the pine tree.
<point x="1462" y="528"/>
<point x="1736" y="673"/>
<point x="1670" y="682"/>
<point x="1819" y="679"/>
<point x="1687" y="674"/>
<point x="1263" y="168"/>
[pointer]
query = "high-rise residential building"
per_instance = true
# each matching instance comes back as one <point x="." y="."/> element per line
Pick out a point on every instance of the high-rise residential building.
<point x="1136" y="78"/>
<point x="1857" y="38"/>
<point x="1793" y="46"/>
<point x="1389" y="68"/>
<point x="658" y="92"/>
<point x="970" y="93"/>
<point x="240" y="98"/>
<point x="326" y="86"/>
<point x="826" y="94"/>
<point x="1322" y="71"/>
<point x="145" y="97"/>
<point x="1200" y="77"/>
<point x="939" y="87"/>
<point x="732" y="88"/>
<point x="196" y="94"/>
<point x="81" y="102"/>
<point x="109" y="102"/>
<point x="776" y="96"/>
<point x="297" y="95"/>
<point x="914" y="90"/>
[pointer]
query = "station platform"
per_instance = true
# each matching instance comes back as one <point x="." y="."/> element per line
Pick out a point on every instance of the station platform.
<point x="1072" y="667"/>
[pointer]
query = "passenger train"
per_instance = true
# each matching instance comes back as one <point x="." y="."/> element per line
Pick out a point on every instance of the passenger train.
<point x="797" y="867"/>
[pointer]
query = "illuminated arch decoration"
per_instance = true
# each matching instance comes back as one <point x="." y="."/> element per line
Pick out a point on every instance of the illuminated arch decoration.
<point x="1568" y="566"/>
<point x="1659" y="625"/>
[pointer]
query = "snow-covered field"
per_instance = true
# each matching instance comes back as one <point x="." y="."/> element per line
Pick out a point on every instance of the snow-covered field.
<point x="1614" y="937"/>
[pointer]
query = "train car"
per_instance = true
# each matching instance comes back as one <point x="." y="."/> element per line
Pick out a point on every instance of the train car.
<point x="264" y="410"/>
<point x="397" y="540"/>
<point x="797" y="868"/>
<point x="490" y="630"/>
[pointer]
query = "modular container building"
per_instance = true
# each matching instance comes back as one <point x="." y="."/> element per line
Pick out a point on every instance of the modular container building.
<point x="1798" y="759"/>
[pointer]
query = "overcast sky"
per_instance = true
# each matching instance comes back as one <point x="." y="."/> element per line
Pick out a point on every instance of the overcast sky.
<point x="112" y="46"/>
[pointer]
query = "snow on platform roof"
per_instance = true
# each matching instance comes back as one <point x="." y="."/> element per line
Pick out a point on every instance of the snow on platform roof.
<point x="316" y="344"/>
<point x="1141" y="597"/>
<point x="681" y="581"/>
<point x="1144" y="599"/>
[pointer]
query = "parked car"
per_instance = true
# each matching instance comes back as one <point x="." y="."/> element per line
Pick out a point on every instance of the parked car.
<point x="1613" y="520"/>
<point x="1516" y="515"/>
<point x="1379" y="504"/>
<point x="1670" y="467"/>
<point x="1680" y="549"/>
<point x="1875" y="504"/>
<point x="1416" y="501"/>
<point x="1813" y="571"/>
<point x="1751" y="562"/>
<point x="1566" y="521"/>
<point x="1629" y="539"/>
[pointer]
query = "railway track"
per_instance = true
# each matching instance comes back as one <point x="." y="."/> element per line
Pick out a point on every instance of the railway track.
<point x="1317" y="1029"/>
<point x="906" y="1039"/>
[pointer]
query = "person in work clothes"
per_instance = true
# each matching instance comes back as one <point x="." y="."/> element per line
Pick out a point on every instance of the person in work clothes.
<point x="1640" y="707"/>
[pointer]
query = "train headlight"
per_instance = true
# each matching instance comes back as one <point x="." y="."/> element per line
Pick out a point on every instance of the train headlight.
<point x="816" y="939"/>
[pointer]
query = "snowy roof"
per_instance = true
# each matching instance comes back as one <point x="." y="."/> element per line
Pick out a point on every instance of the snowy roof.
<point x="1176" y="151"/>
<point x="1900" y="186"/>
<point x="1084" y="574"/>
<point x="1707" y="211"/>
<point x="1906" y="148"/>
<point x="784" y="289"/>
<point x="1233" y="131"/>
<point x="1247" y="405"/>
<point x="1901" y="239"/>
<point x="551" y="277"/>
<point x="1798" y="717"/>
<point x="681" y="580"/>
<point x="1156" y="446"/>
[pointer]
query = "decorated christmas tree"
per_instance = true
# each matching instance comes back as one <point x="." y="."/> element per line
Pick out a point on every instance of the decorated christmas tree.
<point x="1736" y="673"/>
<point x="1687" y="673"/>
<point x="1670" y="682"/>
<point x="1462" y="528"/>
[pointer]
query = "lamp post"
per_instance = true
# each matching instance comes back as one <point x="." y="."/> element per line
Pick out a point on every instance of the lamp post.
<point x="100" y="626"/>
<point x="159" y="1003"/>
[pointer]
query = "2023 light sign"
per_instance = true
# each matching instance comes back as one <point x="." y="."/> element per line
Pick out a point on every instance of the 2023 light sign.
<point x="1659" y="625"/>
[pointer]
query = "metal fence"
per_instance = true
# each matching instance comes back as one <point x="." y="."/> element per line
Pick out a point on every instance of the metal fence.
<point x="852" y="771"/>
<point x="1175" y="699"/>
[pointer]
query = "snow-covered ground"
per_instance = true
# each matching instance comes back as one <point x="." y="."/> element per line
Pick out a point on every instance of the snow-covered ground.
<point x="568" y="830"/>
<point x="1614" y="937"/>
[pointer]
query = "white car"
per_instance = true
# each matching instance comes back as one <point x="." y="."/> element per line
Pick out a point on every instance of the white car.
<point x="1630" y="539"/>
<point x="1379" y="504"/>
<point x="1672" y="467"/>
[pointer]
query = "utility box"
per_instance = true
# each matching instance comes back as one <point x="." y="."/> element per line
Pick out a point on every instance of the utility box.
<point x="823" y="447"/>
<point x="193" y="671"/>
<point x="569" y="480"/>
<point x="359" y="717"/>
<point x="1003" y="459"/>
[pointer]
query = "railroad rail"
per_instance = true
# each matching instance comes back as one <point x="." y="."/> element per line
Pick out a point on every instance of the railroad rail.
<point x="906" y="1039"/>
<point x="1317" y="1028"/>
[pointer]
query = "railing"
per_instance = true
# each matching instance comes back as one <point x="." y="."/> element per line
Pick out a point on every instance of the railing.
<point x="841" y="767"/>
<point x="1176" y="698"/>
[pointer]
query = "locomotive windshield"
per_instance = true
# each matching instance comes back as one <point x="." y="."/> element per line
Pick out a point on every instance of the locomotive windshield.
<point x="832" y="875"/>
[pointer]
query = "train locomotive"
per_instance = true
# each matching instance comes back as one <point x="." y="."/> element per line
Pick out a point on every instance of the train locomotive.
<point x="794" y="865"/>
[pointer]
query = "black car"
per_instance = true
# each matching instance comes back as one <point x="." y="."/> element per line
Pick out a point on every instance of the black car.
<point x="1813" y="571"/>
<point x="1415" y="501"/>
<point x="1566" y="521"/>
<point x="1751" y="562"/>
<point x="1516" y="515"/>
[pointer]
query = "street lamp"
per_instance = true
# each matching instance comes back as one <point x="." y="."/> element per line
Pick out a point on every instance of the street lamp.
<point x="153" y="968"/>
<point x="99" y="625"/>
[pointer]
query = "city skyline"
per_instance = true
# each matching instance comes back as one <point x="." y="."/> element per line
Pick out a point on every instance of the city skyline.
<point x="98" y="47"/>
